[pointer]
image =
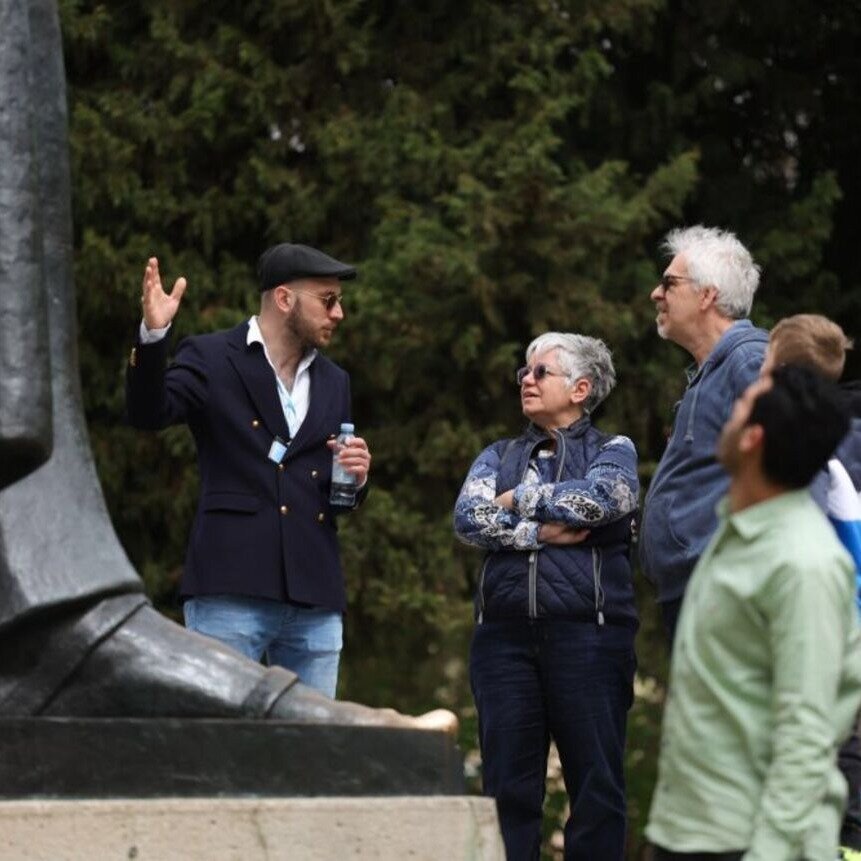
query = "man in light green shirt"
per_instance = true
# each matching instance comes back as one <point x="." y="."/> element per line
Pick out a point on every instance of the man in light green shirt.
<point x="766" y="668"/>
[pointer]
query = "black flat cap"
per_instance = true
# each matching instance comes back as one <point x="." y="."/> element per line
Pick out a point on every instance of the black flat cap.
<point x="283" y="263"/>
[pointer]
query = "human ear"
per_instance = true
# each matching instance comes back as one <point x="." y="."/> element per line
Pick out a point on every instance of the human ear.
<point x="581" y="390"/>
<point x="283" y="298"/>
<point x="751" y="438"/>
<point x="708" y="297"/>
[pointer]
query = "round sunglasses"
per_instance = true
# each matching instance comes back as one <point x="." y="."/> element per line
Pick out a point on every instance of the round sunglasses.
<point x="539" y="372"/>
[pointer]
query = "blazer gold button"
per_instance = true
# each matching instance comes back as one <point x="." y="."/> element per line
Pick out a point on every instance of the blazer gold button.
<point x="281" y="467"/>
<point x="313" y="473"/>
<point x="284" y="509"/>
<point x="255" y="423"/>
<point x="321" y="517"/>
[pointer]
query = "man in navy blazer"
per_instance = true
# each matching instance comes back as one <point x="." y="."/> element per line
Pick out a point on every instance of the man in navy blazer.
<point x="262" y="572"/>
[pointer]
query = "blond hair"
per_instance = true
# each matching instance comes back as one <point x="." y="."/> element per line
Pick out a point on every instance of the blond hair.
<point x="811" y="340"/>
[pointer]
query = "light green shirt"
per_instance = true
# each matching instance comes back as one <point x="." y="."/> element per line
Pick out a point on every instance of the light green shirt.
<point x="765" y="683"/>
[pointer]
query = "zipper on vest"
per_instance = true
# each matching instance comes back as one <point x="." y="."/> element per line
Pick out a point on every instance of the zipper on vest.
<point x="481" y="590"/>
<point x="533" y="584"/>
<point x="596" y="582"/>
<point x="533" y="556"/>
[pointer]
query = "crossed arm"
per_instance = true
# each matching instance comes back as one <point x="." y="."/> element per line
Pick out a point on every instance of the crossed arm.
<point x="533" y="514"/>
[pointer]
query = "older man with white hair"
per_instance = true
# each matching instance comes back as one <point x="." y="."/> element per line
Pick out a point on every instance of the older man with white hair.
<point x="703" y="300"/>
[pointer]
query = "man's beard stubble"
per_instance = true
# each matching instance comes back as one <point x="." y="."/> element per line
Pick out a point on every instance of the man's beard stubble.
<point x="300" y="329"/>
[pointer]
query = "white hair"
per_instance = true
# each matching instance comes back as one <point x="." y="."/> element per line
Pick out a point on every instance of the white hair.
<point x="716" y="258"/>
<point x="579" y="356"/>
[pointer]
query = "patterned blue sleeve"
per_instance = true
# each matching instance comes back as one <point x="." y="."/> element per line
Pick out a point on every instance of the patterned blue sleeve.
<point x="479" y="522"/>
<point x="607" y="493"/>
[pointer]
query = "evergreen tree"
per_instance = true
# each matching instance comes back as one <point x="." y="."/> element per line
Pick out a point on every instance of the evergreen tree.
<point x="495" y="171"/>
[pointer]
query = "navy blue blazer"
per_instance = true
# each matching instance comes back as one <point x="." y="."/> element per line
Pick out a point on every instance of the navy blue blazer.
<point x="260" y="529"/>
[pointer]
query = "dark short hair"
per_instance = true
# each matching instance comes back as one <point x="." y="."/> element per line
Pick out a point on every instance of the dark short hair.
<point x="804" y="420"/>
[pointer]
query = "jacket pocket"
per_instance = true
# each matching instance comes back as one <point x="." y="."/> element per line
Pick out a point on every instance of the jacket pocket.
<point x="660" y="525"/>
<point x="677" y="522"/>
<point x="242" y="503"/>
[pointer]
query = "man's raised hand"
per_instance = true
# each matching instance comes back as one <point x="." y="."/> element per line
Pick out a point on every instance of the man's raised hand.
<point x="159" y="308"/>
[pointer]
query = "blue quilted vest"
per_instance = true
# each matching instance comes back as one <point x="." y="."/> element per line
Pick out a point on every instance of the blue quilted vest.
<point x="591" y="581"/>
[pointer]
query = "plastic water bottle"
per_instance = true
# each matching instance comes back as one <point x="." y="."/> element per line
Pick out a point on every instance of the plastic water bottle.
<point x="343" y="490"/>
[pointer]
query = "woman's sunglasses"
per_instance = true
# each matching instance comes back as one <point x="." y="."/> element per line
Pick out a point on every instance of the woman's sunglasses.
<point x="539" y="372"/>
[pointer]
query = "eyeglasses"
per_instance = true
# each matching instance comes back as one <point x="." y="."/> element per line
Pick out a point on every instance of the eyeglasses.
<point x="329" y="300"/>
<point x="668" y="281"/>
<point x="539" y="372"/>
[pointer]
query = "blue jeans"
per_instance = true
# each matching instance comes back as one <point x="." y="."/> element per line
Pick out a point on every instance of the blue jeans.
<point x="306" y="640"/>
<point x="569" y="681"/>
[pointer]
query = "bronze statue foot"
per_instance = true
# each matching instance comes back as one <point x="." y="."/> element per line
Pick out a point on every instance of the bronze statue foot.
<point x="121" y="658"/>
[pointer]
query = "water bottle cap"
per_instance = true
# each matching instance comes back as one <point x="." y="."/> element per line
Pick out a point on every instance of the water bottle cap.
<point x="348" y="427"/>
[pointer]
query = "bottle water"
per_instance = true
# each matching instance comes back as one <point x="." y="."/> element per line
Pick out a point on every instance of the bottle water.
<point x="343" y="490"/>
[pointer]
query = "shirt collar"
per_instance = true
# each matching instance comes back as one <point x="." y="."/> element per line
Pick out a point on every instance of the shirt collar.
<point x="255" y="336"/>
<point x="752" y="521"/>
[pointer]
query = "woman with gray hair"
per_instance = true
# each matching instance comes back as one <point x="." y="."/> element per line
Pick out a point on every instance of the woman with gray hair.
<point x="552" y="655"/>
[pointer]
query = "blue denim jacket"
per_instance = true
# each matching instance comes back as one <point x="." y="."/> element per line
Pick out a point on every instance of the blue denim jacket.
<point x="679" y="516"/>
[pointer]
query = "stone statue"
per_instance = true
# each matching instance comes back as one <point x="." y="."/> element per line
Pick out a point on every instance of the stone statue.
<point x="78" y="638"/>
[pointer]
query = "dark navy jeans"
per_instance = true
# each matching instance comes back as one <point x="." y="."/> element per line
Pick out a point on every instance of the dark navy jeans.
<point x="670" y="611"/>
<point x="569" y="681"/>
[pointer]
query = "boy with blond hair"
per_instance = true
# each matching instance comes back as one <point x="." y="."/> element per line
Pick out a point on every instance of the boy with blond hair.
<point x="811" y="340"/>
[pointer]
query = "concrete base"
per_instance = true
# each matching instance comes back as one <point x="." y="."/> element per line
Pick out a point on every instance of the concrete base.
<point x="420" y="828"/>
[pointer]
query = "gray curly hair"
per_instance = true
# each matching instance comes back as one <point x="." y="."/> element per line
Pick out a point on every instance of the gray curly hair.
<point x="579" y="356"/>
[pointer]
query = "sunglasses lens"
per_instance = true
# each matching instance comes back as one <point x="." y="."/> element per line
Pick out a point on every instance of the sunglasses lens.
<point x="539" y="372"/>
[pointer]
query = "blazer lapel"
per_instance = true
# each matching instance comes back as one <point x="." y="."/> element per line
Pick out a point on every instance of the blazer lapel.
<point x="259" y="380"/>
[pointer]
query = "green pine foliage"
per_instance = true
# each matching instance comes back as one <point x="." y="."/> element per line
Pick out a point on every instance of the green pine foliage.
<point x="495" y="170"/>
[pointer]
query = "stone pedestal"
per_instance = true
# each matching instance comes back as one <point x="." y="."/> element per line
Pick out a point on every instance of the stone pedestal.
<point x="155" y="757"/>
<point x="425" y="828"/>
<point x="76" y="789"/>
